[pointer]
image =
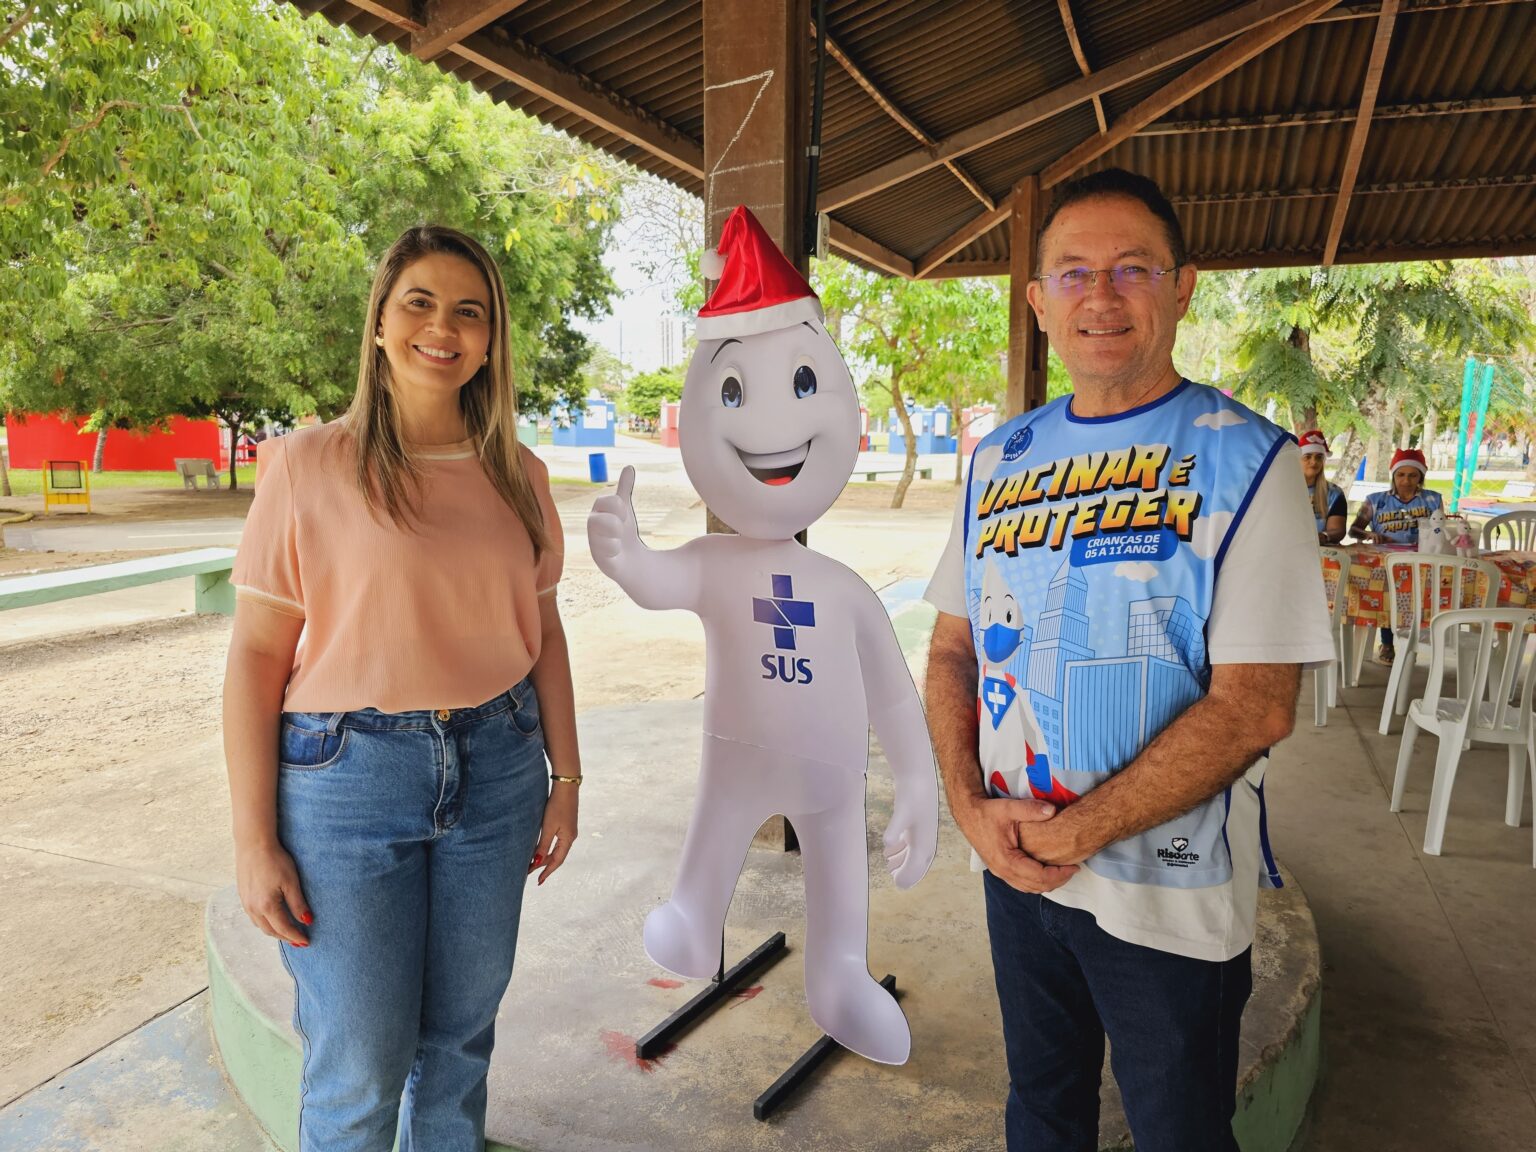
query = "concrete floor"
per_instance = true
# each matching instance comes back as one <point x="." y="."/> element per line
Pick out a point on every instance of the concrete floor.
<point x="1429" y="1005"/>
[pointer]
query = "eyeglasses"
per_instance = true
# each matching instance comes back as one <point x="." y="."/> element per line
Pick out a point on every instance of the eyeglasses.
<point x="1124" y="278"/>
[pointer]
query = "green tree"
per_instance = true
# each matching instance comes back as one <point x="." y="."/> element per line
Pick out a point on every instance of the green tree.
<point x="927" y="341"/>
<point x="1374" y="350"/>
<point x="647" y="391"/>
<point x="195" y="192"/>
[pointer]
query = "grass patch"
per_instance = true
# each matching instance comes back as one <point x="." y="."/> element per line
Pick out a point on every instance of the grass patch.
<point x="29" y="481"/>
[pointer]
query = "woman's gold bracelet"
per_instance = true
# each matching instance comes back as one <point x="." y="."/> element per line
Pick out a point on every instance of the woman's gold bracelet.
<point x="576" y="780"/>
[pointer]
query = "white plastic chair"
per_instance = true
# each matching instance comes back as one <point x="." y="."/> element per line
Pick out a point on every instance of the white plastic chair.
<point x="1480" y="712"/>
<point x="1326" y="680"/>
<point x="1512" y="530"/>
<point x="1408" y="618"/>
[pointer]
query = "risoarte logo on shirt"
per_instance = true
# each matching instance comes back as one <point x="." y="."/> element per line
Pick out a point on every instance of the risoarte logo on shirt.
<point x="1179" y="856"/>
<point x="786" y="615"/>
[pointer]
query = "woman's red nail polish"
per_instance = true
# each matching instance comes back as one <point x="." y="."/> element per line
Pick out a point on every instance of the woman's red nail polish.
<point x="538" y="858"/>
<point x="307" y="918"/>
<point x="301" y="943"/>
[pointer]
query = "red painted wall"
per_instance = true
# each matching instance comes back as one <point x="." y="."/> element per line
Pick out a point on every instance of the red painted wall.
<point x="34" y="439"/>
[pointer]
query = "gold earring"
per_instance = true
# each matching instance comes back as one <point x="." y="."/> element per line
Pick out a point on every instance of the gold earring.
<point x="379" y="340"/>
<point x="485" y="359"/>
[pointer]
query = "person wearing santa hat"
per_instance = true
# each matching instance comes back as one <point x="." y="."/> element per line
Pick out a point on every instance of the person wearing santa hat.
<point x="1329" y="505"/>
<point x="1392" y="517"/>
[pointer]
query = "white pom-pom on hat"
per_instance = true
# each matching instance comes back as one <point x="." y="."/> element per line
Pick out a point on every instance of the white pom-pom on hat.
<point x="712" y="264"/>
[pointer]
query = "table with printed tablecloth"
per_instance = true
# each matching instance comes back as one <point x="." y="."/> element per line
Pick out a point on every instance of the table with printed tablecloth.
<point x="1366" y="605"/>
<point x="1366" y="586"/>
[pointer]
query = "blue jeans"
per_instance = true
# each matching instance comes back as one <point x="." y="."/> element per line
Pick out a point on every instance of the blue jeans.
<point x="412" y="834"/>
<point x="1063" y="983"/>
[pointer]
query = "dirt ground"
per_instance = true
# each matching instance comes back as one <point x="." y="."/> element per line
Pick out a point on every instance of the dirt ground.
<point x="91" y="728"/>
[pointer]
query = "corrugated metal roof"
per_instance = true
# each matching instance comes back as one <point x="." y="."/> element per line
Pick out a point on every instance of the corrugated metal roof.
<point x="1247" y="192"/>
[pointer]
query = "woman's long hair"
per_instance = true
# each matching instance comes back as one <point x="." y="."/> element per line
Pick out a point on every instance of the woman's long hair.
<point x="387" y="472"/>
<point x="1320" y="494"/>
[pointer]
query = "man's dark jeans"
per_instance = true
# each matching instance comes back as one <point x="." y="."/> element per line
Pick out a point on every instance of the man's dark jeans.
<point x="1063" y="982"/>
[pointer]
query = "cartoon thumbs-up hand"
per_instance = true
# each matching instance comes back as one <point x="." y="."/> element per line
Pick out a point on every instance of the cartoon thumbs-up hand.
<point x="652" y="579"/>
<point x="611" y="528"/>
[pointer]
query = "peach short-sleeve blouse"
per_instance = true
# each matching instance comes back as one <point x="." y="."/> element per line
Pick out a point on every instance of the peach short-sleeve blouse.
<point x="443" y="614"/>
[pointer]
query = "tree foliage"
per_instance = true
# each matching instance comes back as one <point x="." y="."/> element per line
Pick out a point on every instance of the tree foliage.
<point x="195" y="192"/>
<point x="1368" y="349"/>
<point x="929" y="341"/>
<point x="647" y="391"/>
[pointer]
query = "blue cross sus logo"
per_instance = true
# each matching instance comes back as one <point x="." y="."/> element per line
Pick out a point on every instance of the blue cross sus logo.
<point x="784" y="612"/>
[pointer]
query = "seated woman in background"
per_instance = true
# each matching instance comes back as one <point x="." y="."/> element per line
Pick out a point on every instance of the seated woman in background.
<point x="1392" y="517"/>
<point x="1328" y="502"/>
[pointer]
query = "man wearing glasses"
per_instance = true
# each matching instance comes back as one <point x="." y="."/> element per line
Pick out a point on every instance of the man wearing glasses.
<point x="1129" y="594"/>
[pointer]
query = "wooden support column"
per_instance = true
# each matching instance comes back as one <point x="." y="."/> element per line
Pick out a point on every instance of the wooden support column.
<point x="1027" y="348"/>
<point x="757" y="116"/>
<point x="757" y="88"/>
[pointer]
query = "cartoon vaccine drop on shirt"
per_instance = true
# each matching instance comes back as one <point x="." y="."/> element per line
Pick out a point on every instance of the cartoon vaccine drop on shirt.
<point x="800" y="656"/>
<point x="1018" y="746"/>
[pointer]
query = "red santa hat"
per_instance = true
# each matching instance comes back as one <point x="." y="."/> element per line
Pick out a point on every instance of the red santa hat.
<point x="1408" y="458"/>
<point x="1313" y="443"/>
<point x="758" y="290"/>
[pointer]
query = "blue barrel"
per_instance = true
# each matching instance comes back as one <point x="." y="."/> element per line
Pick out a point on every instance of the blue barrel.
<point x="597" y="467"/>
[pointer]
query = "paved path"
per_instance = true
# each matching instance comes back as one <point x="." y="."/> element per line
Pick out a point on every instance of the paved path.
<point x="127" y="536"/>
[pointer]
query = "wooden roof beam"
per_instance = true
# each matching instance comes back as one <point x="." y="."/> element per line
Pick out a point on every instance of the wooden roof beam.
<point x="449" y="21"/>
<point x="1154" y="58"/>
<point x="1467" y="184"/>
<point x="400" y="13"/>
<point x="861" y="247"/>
<point x="1471" y="250"/>
<point x="1223" y="62"/>
<point x="1270" y="258"/>
<point x="1370" y="10"/>
<point x="894" y="111"/>
<point x="1424" y="108"/>
<point x="958" y="268"/>
<point x="1065" y="7"/>
<point x="567" y="88"/>
<point x="1375" y="66"/>
<point x="974" y="228"/>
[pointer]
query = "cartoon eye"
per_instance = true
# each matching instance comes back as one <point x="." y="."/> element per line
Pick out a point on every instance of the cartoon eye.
<point x="805" y="382"/>
<point x="730" y="392"/>
<point x="1008" y="617"/>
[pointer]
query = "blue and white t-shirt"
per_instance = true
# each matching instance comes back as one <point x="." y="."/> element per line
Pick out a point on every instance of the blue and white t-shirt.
<point x="1397" y="521"/>
<point x="1089" y="553"/>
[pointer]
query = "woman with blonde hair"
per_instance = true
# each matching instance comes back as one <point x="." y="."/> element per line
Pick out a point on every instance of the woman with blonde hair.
<point x="397" y="675"/>
<point x="1329" y="504"/>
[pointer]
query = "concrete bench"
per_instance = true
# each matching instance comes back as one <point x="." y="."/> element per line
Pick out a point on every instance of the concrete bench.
<point x="191" y="471"/>
<point x="209" y="567"/>
<point x="871" y="473"/>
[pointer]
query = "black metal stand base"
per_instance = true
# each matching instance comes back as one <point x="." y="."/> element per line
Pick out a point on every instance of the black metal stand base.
<point x="786" y="1085"/>
<point x="649" y="1046"/>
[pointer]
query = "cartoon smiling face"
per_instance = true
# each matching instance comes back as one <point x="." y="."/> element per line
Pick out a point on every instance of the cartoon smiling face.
<point x="769" y="428"/>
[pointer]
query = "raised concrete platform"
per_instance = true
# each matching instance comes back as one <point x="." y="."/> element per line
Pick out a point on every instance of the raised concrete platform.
<point x="564" y="1077"/>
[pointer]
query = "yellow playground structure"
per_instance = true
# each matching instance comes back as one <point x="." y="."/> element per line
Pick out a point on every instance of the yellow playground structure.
<point x="66" y="483"/>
